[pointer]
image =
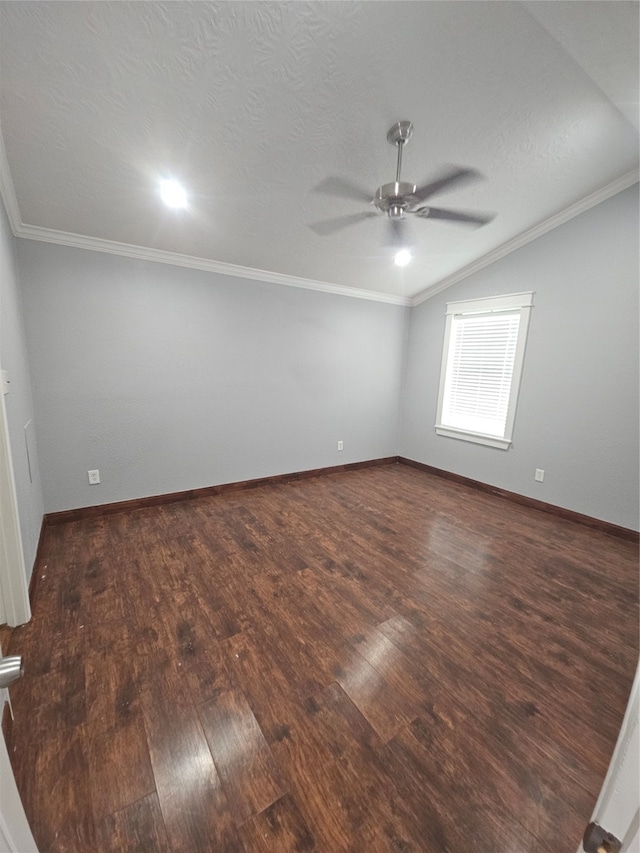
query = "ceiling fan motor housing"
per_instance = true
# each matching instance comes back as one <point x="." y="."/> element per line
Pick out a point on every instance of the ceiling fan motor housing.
<point x="395" y="199"/>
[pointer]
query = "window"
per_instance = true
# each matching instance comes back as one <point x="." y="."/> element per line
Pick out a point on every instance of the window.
<point x="482" y="359"/>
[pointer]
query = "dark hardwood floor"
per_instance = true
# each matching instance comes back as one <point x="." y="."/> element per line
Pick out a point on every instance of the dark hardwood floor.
<point x="377" y="660"/>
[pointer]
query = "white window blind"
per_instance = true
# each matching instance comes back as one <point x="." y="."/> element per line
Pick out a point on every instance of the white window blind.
<point x="481" y="367"/>
<point x="479" y="372"/>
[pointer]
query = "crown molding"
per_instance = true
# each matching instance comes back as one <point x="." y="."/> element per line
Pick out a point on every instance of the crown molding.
<point x="95" y="244"/>
<point x="622" y="183"/>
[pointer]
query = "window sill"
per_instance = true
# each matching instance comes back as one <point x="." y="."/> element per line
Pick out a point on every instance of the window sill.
<point x="475" y="437"/>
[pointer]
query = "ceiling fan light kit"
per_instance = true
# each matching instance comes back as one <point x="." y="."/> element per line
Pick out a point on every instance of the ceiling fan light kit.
<point x="402" y="258"/>
<point x="400" y="199"/>
<point x="173" y="194"/>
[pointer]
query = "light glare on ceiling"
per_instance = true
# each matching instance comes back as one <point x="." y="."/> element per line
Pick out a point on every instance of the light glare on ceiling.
<point x="173" y="194"/>
<point x="402" y="257"/>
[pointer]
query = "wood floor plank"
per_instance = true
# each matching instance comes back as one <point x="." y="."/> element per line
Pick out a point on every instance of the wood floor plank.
<point x="324" y="785"/>
<point x="112" y="684"/>
<point x="255" y="670"/>
<point x="336" y="601"/>
<point x="280" y="827"/>
<point x="305" y="647"/>
<point x="250" y="777"/>
<point x="56" y="700"/>
<point x="65" y="824"/>
<point x="119" y="767"/>
<point x="191" y="640"/>
<point x="382" y="661"/>
<point x="386" y="709"/>
<point x="193" y="804"/>
<point x="138" y="828"/>
<point x="334" y="755"/>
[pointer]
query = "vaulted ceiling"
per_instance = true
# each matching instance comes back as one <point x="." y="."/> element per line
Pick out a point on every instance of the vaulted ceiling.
<point x="253" y="105"/>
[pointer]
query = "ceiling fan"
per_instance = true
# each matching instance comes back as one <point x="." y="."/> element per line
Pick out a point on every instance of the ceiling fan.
<point x="400" y="199"/>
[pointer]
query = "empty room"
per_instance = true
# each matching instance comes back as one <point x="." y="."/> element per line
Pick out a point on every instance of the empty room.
<point x="319" y="426"/>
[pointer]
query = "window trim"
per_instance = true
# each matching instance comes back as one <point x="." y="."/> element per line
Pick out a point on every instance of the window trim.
<point x="487" y="305"/>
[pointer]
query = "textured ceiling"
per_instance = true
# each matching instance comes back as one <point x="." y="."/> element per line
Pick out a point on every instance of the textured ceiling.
<point x="253" y="104"/>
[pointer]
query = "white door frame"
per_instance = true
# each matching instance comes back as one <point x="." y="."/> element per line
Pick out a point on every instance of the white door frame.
<point x="15" y="835"/>
<point x="14" y="592"/>
<point x="617" y="809"/>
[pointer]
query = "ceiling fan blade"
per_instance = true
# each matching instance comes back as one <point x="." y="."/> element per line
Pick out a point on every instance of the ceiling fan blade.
<point x="330" y="226"/>
<point x="341" y="188"/>
<point x="452" y="177"/>
<point x="455" y="215"/>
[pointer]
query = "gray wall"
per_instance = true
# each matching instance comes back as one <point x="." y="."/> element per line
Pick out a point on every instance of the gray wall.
<point x="19" y="405"/>
<point x="167" y="378"/>
<point x="577" y="414"/>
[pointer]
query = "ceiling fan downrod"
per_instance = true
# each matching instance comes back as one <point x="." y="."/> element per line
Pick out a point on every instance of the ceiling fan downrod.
<point x="399" y="135"/>
<point x="390" y="198"/>
<point x="399" y="143"/>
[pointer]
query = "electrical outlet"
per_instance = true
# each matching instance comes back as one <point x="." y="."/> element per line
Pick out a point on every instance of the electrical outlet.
<point x="539" y="475"/>
<point x="341" y="445"/>
<point x="94" y="477"/>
